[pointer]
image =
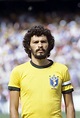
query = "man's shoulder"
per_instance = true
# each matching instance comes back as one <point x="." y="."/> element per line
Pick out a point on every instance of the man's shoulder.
<point x="21" y="66"/>
<point x="60" y="65"/>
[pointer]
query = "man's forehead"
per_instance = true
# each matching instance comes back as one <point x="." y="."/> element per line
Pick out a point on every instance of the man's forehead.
<point x="35" y="37"/>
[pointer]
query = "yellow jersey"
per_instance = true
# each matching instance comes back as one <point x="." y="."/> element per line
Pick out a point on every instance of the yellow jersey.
<point x="40" y="88"/>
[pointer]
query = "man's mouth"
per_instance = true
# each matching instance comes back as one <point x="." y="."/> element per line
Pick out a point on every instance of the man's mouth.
<point x="40" y="50"/>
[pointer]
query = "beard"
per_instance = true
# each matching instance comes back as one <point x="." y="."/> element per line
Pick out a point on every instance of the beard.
<point x="40" y="55"/>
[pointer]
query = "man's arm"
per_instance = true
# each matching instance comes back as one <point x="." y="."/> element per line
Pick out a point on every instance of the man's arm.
<point x="69" y="105"/>
<point x="14" y="104"/>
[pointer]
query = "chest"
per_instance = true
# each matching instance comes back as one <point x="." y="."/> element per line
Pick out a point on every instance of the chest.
<point x="42" y="81"/>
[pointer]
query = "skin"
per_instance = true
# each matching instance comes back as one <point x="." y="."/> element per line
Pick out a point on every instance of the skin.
<point x="14" y="104"/>
<point x="39" y="49"/>
<point x="69" y="106"/>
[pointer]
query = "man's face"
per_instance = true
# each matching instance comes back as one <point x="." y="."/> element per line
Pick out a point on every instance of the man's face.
<point x="39" y="46"/>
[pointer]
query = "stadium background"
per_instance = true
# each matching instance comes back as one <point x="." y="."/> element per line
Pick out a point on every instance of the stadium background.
<point x="62" y="17"/>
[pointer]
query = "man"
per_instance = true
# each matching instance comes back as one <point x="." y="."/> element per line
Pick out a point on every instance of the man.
<point x="40" y="82"/>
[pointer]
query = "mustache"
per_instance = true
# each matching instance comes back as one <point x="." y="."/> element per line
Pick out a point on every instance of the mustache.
<point x="40" y="49"/>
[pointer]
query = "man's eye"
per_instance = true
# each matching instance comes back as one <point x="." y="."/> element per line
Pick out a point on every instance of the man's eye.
<point x="36" y="42"/>
<point x="43" y="41"/>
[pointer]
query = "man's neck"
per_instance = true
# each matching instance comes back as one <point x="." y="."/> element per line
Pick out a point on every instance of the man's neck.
<point x="41" y="62"/>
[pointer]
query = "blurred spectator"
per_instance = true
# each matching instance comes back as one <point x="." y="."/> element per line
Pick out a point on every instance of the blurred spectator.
<point x="65" y="28"/>
<point x="3" y="98"/>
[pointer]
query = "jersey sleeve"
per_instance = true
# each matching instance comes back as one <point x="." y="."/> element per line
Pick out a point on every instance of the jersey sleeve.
<point x="66" y="84"/>
<point x="14" y="83"/>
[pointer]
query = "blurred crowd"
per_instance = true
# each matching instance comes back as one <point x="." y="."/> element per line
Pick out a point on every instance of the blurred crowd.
<point x="65" y="27"/>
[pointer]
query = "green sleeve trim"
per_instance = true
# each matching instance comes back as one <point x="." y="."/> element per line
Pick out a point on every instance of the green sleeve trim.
<point x="11" y="88"/>
<point x="68" y="91"/>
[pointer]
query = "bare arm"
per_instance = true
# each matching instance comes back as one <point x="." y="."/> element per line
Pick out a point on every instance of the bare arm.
<point x="69" y="106"/>
<point x="14" y="104"/>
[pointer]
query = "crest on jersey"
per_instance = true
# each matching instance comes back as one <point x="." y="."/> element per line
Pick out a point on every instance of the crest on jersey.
<point x="53" y="81"/>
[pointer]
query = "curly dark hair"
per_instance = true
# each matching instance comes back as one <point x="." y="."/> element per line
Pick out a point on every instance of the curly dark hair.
<point x="38" y="30"/>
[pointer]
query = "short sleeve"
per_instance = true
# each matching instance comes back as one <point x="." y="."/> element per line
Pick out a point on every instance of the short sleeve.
<point x="14" y="83"/>
<point x="66" y="84"/>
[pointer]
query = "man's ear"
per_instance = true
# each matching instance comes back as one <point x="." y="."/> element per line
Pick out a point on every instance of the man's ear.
<point x="29" y="48"/>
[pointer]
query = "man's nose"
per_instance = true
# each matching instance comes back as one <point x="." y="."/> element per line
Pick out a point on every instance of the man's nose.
<point x="39" y="44"/>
